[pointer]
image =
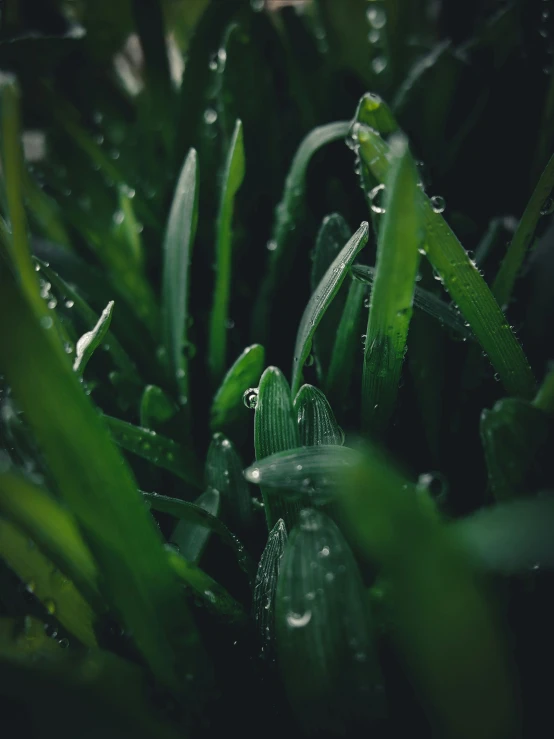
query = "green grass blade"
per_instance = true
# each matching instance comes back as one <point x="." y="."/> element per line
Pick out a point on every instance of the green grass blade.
<point x="191" y="538"/>
<point x="275" y="430"/>
<point x="445" y="626"/>
<point x="192" y="513"/>
<point x="59" y="596"/>
<point x="224" y="473"/>
<point x="504" y="281"/>
<point x="155" y="448"/>
<point x="316" y="422"/>
<point x="515" y="436"/>
<point x="320" y="300"/>
<point x="462" y="280"/>
<point x="544" y="398"/>
<point x="245" y="373"/>
<point x="265" y="586"/>
<point x="92" y="339"/>
<point x="425" y="301"/>
<point x="156" y="408"/>
<point x="309" y="472"/>
<point x="324" y="642"/>
<point x="374" y="112"/>
<point x="51" y="528"/>
<point x="98" y="487"/>
<point x="288" y="213"/>
<point x="232" y="180"/>
<point x="346" y="345"/>
<point x="178" y="243"/>
<point x="392" y="296"/>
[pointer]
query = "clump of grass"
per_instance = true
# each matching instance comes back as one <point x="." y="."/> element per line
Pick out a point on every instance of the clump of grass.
<point x="192" y="541"/>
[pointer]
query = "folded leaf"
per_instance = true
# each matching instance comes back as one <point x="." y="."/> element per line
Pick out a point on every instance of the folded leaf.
<point x="316" y="422"/>
<point x="265" y="586"/>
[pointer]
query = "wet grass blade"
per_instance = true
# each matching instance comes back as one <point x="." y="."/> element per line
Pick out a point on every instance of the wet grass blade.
<point x="92" y="339"/>
<point x="191" y="538"/>
<point x="320" y="300"/>
<point x="310" y="472"/>
<point x="51" y="528"/>
<point x="520" y="245"/>
<point x="316" y="422"/>
<point x="245" y="373"/>
<point x="346" y="346"/>
<point x="232" y="179"/>
<point x="424" y="300"/>
<point x="224" y="473"/>
<point x="462" y="280"/>
<point x="178" y="243"/>
<point x="275" y="430"/>
<point x="193" y="514"/>
<point x="324" y="642"/>
<point x="155" y="448"/>
<point x="515" y="437"/>
<point x="265" y="586"/>
<point x="390" y="310"/>
<point x="446" y="627"/>
<point x="98" y="487"/>
<point x="288" y="213"/>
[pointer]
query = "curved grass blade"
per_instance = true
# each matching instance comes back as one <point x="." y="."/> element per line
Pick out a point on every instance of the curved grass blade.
<point x="510" y="266"/>
<point x="374" y="112"/>
<point x="92" y="339"/>
<point x="224" y="473"/>
<point x="333" y="235"/>
<point x="288" y="213"/>
<point x="544" y="398"/>
<point x="320" y="300"/>
<point x="446" y="627"/>
<point x="316" y="422"/>
<point x="339" y="375"/>
<point x="324" y="642"/>
<point x="232" y="180"/>
<point x="392" y="296"/>
<point x="155" y="407"/>
<point x="192" y="513"/>
<point x="462" y="280"/>
<point x="178" y="243"/>
<point x="310" y="472"/>
<point x="515" y="437"/>
<point x="275" y="430"/>
<point x="155" y="448"/>
<point x="96" y="484"/>
<point x="245" y="373"/>
<point x="52" y="529"/>
<point x="191" y="538"/>
<point x="265" y="586"/>
<point x="425" y="301"/>
<point x="58" y="595"/>
<point x="212" y="593"/>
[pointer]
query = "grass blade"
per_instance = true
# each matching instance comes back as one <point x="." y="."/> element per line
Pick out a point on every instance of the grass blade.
<point x="191" y="538"/>
<point x="316" y="422"/>
<point x="155" y="407"/>
<point x="224" y="473"/>
<point x="462" y="280"/>
<point x="275" y="430"/>
<point x="324" y="642"/>
<point x="392" y="296"/>
<point x="91" y="340"/>
<point x="178" y="243"/>
<point x="232" y="179"/>
<point x="245" y="373"/>
<point x="320" y="300"/>
<point x="288" y="213"/>
<point x="504" y="281"/>
<point x="155" y="448"/>
<point x="265" y="586"/>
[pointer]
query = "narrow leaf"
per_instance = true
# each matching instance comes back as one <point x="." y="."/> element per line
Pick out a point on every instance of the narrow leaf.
<point x="265" y="586"/>
<point x="92" y="339"/>
<point x="233" y="176"/>
<point x="320" y="300"/>
<point x="191" y="538"/>
<point x="224" y="473"/>
<point x="316" y="423"/>
<point x="245" y="373"/>
<point x="155" y="407"/>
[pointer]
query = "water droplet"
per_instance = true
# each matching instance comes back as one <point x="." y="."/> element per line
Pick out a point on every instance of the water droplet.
<point x="373" y="36"/>
<point x="64" y="643"/>
<point x="213" y="63"/>
<point x="52" y="303"/>
<point x="254" y="474"/>
<point x="118" y="217"/>
<point x="51" y="631"/>
<point x="46" y="322"/>
<point x="271" y="245"/>
<point x="68" y="348"/>
<point x="50" y="606"/>
<point x="366" y="303"/>
<point x="298" y="620"/>
<point x="222" y="57"/>
<point x="309" y="360"/>
<point x="547" y="207"/>
<point x="377" y="17"/>
<point x="250" y="397"/>
<point x="210" y="116"/>
<point x="325" y="552"/>
<point x="69" y="303"/>
<point x="257" y="5"/>
<point x="329" y="576"/>
<point x="434" y="483"/>
<point x="438" y="204"/>
<point x="229" y="324"/>
<point x="299" y="468"/>
<point x="374" y="197"/>
<point x="364" y="337"/>
<point x="379" y="64"/>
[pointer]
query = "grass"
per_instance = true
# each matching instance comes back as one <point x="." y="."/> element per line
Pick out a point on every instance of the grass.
<point x="189" y="544"/>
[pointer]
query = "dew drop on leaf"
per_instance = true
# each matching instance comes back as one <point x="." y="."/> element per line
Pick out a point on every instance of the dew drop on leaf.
<point x="250" y="397"/>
